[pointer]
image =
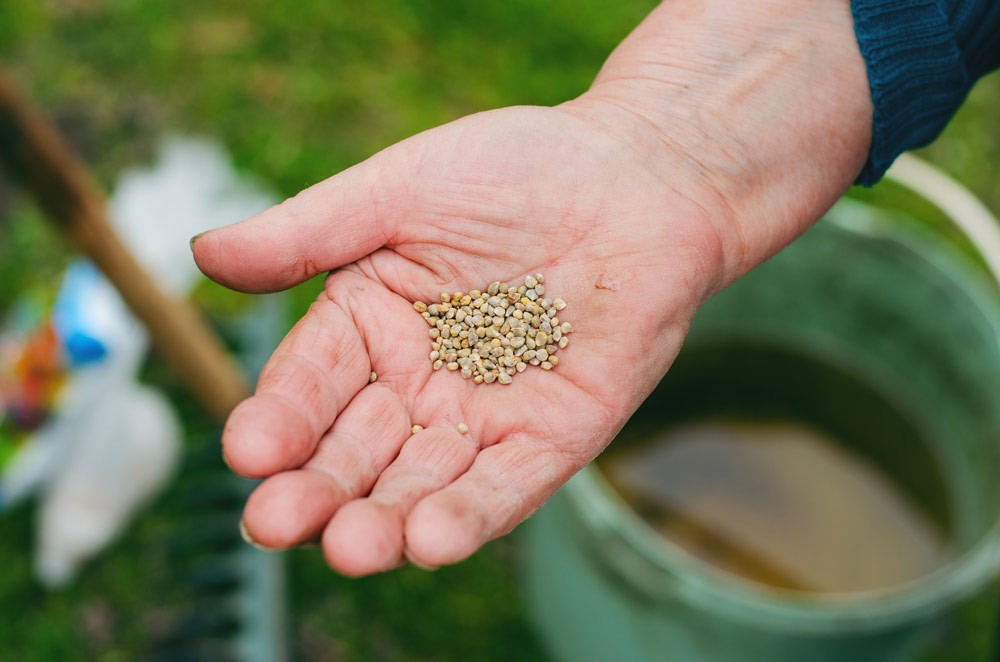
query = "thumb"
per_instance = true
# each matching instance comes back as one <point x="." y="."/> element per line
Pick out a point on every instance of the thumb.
<point x="328" y="225"/>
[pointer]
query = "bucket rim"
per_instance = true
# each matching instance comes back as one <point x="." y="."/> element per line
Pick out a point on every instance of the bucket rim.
<point x="662" y="570"/>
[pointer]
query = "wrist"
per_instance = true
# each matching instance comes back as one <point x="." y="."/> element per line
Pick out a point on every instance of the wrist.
<point x="759" y="113"/>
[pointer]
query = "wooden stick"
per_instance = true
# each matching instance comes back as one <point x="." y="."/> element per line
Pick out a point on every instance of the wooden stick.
<point x="37" y="156"/>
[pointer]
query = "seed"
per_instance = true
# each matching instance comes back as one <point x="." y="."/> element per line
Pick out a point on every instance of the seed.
<point x="373" y="377"/>
<point x="563" y="342"/>
<point x="566" y="327"/>
<point x="494" y="335"/>
<point x="463" y="428"/>
<point x="416" y="428"/>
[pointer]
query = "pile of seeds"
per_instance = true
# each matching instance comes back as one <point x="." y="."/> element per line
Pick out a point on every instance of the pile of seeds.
<point x="493" y="335"/>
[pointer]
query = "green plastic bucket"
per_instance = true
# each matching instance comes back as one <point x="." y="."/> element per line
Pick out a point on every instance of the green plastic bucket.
<point x="860" y="287"/>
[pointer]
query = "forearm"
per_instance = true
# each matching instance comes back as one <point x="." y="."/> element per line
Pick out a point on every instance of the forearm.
<point x="767" y="102"/>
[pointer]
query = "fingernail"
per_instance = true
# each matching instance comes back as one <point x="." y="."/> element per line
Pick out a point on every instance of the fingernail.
<point x="196" y="238"/>
<point x="249" y="540"/>
<point x="417" y="564"/>
<point x="310" y="544"/>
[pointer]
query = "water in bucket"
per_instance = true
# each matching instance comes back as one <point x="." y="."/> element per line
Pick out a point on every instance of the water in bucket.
<point x="781" y="468"/>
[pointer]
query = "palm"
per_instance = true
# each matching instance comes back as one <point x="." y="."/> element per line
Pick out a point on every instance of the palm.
<point x="492" y="197"/>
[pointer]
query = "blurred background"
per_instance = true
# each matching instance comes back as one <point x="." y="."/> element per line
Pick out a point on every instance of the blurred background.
<point x="296" y="92"/>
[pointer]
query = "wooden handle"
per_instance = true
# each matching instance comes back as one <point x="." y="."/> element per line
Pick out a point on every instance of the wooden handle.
<point x="37" y="156"/>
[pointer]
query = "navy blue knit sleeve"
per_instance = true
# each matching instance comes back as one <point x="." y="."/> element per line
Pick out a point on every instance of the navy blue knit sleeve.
<point x="922" y="56"/>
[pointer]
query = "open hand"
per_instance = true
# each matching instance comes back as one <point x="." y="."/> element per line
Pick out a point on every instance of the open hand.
<point x="494" y="196"/>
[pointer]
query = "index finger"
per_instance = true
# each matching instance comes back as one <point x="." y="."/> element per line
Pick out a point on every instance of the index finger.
<point x="313" y="374"/>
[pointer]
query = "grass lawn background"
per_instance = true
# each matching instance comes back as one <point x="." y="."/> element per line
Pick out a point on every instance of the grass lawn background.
<point x="299" y="91"/>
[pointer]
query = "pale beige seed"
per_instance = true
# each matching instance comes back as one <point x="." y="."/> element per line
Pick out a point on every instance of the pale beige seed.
<point x="493" y="335"/>
<point x="420" y="306"/>
<point x="563" y="342"/>
<point x="416" y="428"/>
<point x="373" y="377"/>
<point x="463" y="428"/>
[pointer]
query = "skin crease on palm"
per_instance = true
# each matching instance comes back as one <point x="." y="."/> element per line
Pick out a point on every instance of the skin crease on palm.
<point x="702" y="148"/>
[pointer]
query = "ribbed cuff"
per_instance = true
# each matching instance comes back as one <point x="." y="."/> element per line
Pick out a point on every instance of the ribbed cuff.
<point x="915" y="72"/>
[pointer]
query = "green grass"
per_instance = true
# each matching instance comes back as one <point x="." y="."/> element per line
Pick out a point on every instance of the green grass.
<point x="298" y="91"/>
